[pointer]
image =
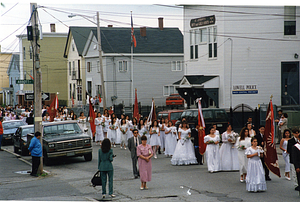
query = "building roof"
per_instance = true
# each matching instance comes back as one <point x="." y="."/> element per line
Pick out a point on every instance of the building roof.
<point x="118" y="40"/>
<point x="80" y="36"/>
<point x="194" y="80"/>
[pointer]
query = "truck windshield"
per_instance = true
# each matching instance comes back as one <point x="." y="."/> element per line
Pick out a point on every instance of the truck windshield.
<point x="13" y="124"/>
<point x="62" y="129"/>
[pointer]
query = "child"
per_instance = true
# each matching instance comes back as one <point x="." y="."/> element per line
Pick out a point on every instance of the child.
<point x="255" y="180"/>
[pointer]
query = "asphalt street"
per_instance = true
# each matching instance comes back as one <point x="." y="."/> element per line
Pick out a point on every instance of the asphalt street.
<point x="69" y="180"/>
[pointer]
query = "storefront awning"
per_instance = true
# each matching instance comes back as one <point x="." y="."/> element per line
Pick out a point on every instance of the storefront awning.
<point x="198" y="81"/>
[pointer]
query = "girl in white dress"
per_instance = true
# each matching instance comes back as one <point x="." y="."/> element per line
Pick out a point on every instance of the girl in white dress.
<point x="162" y="136"/>
<point x="154" y="137"/>
<point x="99" y="137"/>
<point x="113" y="131"/>
<point x="184" y="153"/>
<point x="46" y="118"/>
<point x="216" y="131"/>
<point x="128" y="122"/>
<point x="255" y="180"/>
<point x="243" y="142"/>
<point x="133" y="125"/>
<point x="212" y="150"/>
<point x="106" y="120"/>
<point x="285" y="154"/>
<point x="228" y="153"/>
<point x="82" y="121"/>
<point x="171" y="139"/>
<point x="123" y="129"/>
<point x="250" y="128"/>
<point x="147" y="126"/>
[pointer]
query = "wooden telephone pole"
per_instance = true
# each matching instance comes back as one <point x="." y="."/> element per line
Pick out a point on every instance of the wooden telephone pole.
<point x="37" y="75"/>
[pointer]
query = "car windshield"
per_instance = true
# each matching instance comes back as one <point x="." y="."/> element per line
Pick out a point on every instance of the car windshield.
<point x="221" y="115"/>
<point x="175" y="115"/>
<point x="13" y="124"/>
<point x="62" y="129"/>
<point x="26" y="131"/>
<point x="186" y="114"/>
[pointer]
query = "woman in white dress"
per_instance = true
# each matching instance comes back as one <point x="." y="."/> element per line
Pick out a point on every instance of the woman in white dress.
<point x="228" y="153"/>
<point x="133" y="125"/>
<point x="162" y="136"/>
<point x="243" y="142"/>
<point x="285" y="154"/>
<point x="99" y="137"/>
<point x="255" y="180"/>
<point x="216" y="131"/>
<point x="251" y="131"/>
<point x="82" y="121"/>
<point x="171" y="139"/>
<point x="113" y="131"/>
<point x="147" y="126"/>
<point x="123" y="129"/>
<point x="184" y="153"/>
<point x="154" y="137"/>
<point x="106" y="120"/>
<point x="46" y="118"/>
<point x="212" y="150"/>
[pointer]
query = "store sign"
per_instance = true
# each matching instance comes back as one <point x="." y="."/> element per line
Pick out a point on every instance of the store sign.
<point x="204" y="21"/>
<point x="244" y="89"/>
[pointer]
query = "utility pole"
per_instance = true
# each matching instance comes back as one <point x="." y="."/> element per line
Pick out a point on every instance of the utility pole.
<point x="37" y="75"/>
<point x="101" y="63"/>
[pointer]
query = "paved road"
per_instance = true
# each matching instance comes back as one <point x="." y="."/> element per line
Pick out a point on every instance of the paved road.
<point x="69" y="179"/>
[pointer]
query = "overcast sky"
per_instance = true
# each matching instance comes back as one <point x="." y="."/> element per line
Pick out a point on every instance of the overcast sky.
<point x="14" y="16"/>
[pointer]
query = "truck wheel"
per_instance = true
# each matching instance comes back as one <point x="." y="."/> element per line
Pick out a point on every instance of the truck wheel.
<point x="88" y="157"/>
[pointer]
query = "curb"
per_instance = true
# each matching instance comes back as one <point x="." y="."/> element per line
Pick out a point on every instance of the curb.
<point x="21" y="159"/>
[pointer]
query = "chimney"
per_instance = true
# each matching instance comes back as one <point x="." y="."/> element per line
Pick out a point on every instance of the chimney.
<point x="52" y="27"/>
<point x="143" y="31"/>
<point x="161" y="23"/>
<point x="109" y="25"/>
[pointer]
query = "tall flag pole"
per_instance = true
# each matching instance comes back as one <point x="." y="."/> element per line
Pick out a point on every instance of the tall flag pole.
<point x="201" y="130"/>
<point x="136" y="107"/>
<point x="152" y="115"/>
<point x="133" y="43"/>
<point x="270" y="153"/>
<point x="92" y="118"/>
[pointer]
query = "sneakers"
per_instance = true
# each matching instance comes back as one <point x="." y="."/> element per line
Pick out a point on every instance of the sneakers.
<point x="113" y="196"/>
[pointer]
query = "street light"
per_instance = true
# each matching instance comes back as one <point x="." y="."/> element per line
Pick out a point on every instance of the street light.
<point x="100" y="53"/>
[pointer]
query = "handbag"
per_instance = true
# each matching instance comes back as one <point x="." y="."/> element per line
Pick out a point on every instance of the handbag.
<point x="96" y="180"/>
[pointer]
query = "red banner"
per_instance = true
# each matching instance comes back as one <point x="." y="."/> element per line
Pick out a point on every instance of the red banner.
<point x="201" y="129"/>
<point x="92" y="118"/>
<point x="270" y="154"/>
<point x="136" y="108"/>
<point x="53" y="108"/>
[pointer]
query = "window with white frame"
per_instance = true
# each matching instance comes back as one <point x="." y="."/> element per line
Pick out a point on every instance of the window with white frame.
<point x="212" y="42"/>
<point x="168" y="90"/>
<point x="176" y="65"/>
<point x="122" y="66"/>
<point x="88" y="66"/>
<point x="290" y="20"/>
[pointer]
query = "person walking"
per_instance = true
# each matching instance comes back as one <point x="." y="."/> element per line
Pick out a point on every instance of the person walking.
<point x="1" y="132"/>
<point x="133" y="143"/>
<point x="286" y="156"/>
<point x="105" y="158"/>
<point x="212" y="150"/>
<point x="35" y="149"/>
<point x="255" y="180"/>
<point x="155" y="139"/>
<point x="144" y="153"/>
<point x="243" y="142"/>
<point x="282" y="124"/>
<point x="296" y="159"/>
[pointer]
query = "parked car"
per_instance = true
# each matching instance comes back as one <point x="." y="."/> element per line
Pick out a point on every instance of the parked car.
<point x="173" y="115"/>
<point x="174" y="99"/>
<point x="65" y="139"/>
<point x="9" y="129"/>
<point x="210" y="115"/>
<point x="20" y="139"/>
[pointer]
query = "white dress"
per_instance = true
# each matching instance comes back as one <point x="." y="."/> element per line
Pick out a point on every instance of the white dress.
<point x="162" y="136"/>
<point x="251" y="133"/>
<point x="255" y="180"/>
<point x="171" y="140"/>
<point x="286" y="157"/>
<point x="99" y="131"/>
<point x="106" y="122"/>
<point x="118" y="133"/>
<point x="228" y="155"/>
<point x="212" y="153"/>
<point x="184" y="153"/>
<point x="124" y="136"/>
<point x="154" y="138"/>
<point x="113" y="132"/>
<point x="243" y="160"/>
<point x="129" y="133"/>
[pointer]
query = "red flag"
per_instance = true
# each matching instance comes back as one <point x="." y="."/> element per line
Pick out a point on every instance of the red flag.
<point x="92" y="117"/>
<point x="201" y="129"/>
<point x="100" y="98"/>
<point x="136" y="108"/>
<point x="133" y="39"/>
<point x="72" y="101"/>
<point x="53" y="108"/>
<point x="270" y="154"/>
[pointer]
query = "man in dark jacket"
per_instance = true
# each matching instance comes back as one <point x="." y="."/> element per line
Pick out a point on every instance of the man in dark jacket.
<point x="296" y="160"/>
<point x="290" y="145"/>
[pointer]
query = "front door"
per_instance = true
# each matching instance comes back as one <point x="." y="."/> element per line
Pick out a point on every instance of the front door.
<point x="289" y="83"/>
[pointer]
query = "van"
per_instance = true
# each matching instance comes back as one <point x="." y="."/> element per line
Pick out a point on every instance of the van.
<point x="210" y="115"/>
<point x="172" y="115"/>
